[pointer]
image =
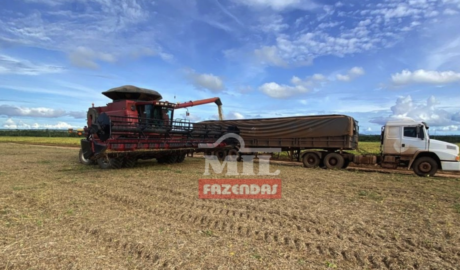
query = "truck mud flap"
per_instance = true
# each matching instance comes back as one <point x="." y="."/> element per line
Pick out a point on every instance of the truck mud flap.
<point x="86" y="147"/>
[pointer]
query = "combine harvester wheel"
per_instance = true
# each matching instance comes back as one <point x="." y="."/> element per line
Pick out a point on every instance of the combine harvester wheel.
<point x="85" y="161"/>
<point x="110" y="163"/>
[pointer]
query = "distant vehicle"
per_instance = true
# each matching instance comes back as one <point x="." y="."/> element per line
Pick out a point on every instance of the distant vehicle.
<point x="79" y="131"/>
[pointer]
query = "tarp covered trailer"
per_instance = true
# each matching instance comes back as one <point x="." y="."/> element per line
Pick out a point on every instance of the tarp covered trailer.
<point x="334" y="132"/>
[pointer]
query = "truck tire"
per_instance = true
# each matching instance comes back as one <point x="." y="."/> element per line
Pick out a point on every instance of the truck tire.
<point x="169" y="159"/>
<point x="334" y="161"/>
<point x="425" y="166"/>
<point x="221" y="155"/>
<point x="180" y="158"/>
<point x="311" y="160"/>
<point x="110" y="163"/>
<point x="232" y="155"/>
<point x="83" y="160"/>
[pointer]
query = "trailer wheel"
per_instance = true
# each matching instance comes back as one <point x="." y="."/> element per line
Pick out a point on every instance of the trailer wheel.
<point x="232" y="155"/>
<point x="180" y="158"/>
<point x="334" y="161"/>
<point x="209" y="155"/>
<point x="311" y="160"/>
<point x="170" y="159"/>
<point x="83" y="160"/>
<point x="425" y="166"/>
<point x="110" y="163"/>
<point x="221" y="155"/>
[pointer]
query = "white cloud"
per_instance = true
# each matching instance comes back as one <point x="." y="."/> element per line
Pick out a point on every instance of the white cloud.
<point x="10" y="111"/>
<point x="351" y="74"/>
<point x="9" y="123"/>
<point x="85" y="57"/>
<point x="269" y="56"/>
<point x="101" y="30"/>
<point x="278" y="4"/>
<point x="406" y="108"/>
<point x="298" y="86"/>
<point x="456" y="117"/>
<point x="369" y="27"/>
<point x="10" y="65"/>
<point x="448" y="128"/>
<point x="273" y="23"/>
<point x="245" y="89"/>
<point x="205" y="81"/>
<point x="449" y="11"/>
<point x="19" y="124"/>
<point x="425" y="77"/>
<point x="59" y="125"/>
<point x="234" y="115"/>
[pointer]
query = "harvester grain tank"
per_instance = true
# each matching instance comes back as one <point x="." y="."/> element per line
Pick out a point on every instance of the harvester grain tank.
<point x="138" y="124"/>
<point x="325" y="140"/>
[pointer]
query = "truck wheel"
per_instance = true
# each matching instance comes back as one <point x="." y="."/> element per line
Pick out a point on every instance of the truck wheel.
<point x="221" y="155"/>
<point x="110" y="163"/>
<point x="171" y="159"/>
<point x="311" y="160"/>
<point x="425" y="166"/>
<point x="83" y="160"/>
<point x="161" y="160"/>
<point x="334" y="161"/>
<point x="232" y="155"/>
<point x="180" y="158"/>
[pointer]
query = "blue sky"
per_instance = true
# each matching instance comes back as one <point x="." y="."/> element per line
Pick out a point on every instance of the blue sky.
<point x="373" y="60"/>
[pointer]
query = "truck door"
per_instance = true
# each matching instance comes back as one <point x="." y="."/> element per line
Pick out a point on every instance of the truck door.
<point x="392" y="140"/>
<point x="413" y="140"/>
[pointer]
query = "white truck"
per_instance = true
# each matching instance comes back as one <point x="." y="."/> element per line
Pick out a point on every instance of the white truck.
<point x="323" y="141"/>
<point x="406" y="143"/>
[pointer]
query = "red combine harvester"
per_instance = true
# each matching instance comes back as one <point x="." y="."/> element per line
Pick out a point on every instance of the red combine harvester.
<point x="137" y="124"/>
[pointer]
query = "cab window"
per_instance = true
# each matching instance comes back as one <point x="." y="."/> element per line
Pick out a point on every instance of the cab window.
<point x="410" y="132"/>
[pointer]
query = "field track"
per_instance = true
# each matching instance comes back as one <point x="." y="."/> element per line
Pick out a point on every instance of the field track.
<point x="57" y="213"/>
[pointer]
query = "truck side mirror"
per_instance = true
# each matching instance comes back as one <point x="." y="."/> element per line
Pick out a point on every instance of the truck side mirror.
<point x="420" y="133"/>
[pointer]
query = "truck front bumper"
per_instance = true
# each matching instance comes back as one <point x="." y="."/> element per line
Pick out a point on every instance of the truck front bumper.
<point x="450" y="166"/>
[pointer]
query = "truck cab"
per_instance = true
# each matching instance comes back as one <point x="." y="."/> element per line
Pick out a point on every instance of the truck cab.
<point x="407" y="143"/>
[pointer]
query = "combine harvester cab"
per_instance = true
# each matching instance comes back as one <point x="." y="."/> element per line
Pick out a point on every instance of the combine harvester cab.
<point x="137" y="124"/>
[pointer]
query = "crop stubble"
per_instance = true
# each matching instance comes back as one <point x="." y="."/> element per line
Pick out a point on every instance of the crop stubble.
<point x="59" y="214"/>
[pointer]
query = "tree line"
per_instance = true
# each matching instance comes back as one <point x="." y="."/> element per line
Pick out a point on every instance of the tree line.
<point x="38" y="133"/>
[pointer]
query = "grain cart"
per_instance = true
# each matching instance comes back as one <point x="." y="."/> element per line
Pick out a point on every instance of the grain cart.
<point x="325" y="139"/>
<point x="137" y="124"/>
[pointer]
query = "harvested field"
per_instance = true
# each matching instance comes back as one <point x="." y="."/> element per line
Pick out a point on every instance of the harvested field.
<point x="56" y="213"/>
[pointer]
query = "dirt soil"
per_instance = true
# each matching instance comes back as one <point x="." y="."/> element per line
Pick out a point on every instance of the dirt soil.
<point x="58" y="214"/>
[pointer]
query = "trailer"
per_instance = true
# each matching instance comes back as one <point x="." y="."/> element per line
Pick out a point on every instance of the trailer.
<point x="323" y="141"/>
<point x="138" y="124"/>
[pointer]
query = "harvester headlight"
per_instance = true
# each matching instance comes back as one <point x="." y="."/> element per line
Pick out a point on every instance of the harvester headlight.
<point x="457" y="158"/>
